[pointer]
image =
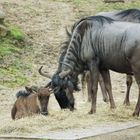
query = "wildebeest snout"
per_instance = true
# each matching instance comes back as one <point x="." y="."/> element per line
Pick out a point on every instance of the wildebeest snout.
<point x="44" y="112"/>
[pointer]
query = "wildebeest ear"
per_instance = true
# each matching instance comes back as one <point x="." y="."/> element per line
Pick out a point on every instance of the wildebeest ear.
<point x="28" y="89"/>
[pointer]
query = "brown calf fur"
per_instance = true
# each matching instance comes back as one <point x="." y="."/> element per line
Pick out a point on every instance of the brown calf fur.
<point x="31" y="104"/>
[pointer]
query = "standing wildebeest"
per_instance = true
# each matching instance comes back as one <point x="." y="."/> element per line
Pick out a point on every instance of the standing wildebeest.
<point x="130" y="15"/>
<point x="100" y="43"/>
<point x="31" y="103"/>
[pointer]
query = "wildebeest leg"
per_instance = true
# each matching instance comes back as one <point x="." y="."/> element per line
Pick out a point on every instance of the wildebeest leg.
<point x="88" y="81"/>
<point x="83" y="83"/>
<point x="135" y="65"/>
<point x="129" y="81"/>
<point x="102" y="85"/>
<point x="107" y="81"/>
<point x="137" y="108"/>
<point x="94" y="71"/>
<point x="103" y="89"/>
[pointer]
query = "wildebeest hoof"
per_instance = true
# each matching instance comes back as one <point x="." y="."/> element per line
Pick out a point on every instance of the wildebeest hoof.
<point x="106" y="100"/>
<point x="113" y="107"/>
<point x="72" y="109"/>
<point x="127" y="103"/>
<point x="136" y="113"/>
<point x="44" y="113"/>
<point x="89" y="99"/>
<point x="91" y="112"/>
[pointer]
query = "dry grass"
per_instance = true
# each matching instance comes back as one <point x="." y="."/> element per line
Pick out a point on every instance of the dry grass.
<point x="64" y="119"/>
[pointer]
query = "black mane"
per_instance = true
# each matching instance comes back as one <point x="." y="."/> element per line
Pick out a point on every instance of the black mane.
<point x="63" y="51"/>
<point x="101" y="19"/>
<point x="134" y="12"/>
<point x="22" y="93"/>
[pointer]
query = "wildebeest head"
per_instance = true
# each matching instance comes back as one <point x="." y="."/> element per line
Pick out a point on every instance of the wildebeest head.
<point x="43" y="99"/>
<point x="62" y="88"/>
<point x="59" y="82"/>
<point x="69" y="82"/>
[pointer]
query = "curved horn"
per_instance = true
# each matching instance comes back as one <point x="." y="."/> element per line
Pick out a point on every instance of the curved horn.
<point x="64" y="73"/>
<point x="44" y="74"/>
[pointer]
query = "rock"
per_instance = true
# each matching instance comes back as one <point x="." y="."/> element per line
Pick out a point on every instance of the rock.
<point x="2" y="16"/>
<point x="3" y="31"/>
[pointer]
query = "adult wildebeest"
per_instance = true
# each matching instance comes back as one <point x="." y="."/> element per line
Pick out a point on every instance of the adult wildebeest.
<point x="130" y="15"/>
<point x="31" y="103"/>
<point x="100" y="43"/>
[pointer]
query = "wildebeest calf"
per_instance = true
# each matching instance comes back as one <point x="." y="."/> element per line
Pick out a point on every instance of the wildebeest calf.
<point x="28" y="104"/>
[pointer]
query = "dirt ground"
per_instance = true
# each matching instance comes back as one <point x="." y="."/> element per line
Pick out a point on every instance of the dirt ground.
<point x="44" y="21"/>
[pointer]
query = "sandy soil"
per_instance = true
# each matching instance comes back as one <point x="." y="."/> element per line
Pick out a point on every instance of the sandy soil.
<point x="45" y="22"/>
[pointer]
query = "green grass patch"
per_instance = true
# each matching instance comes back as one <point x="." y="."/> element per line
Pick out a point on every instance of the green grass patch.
<point x="18" y="71"/>
<point x="15" y="74"/>
<point x="79" y="1"/>
<point x="7" y="47"/>
<point x="7" y="44"/>
<point x="15" y="32"/>
<point x="17" y="82"/>
<point x="13" y="66"/>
